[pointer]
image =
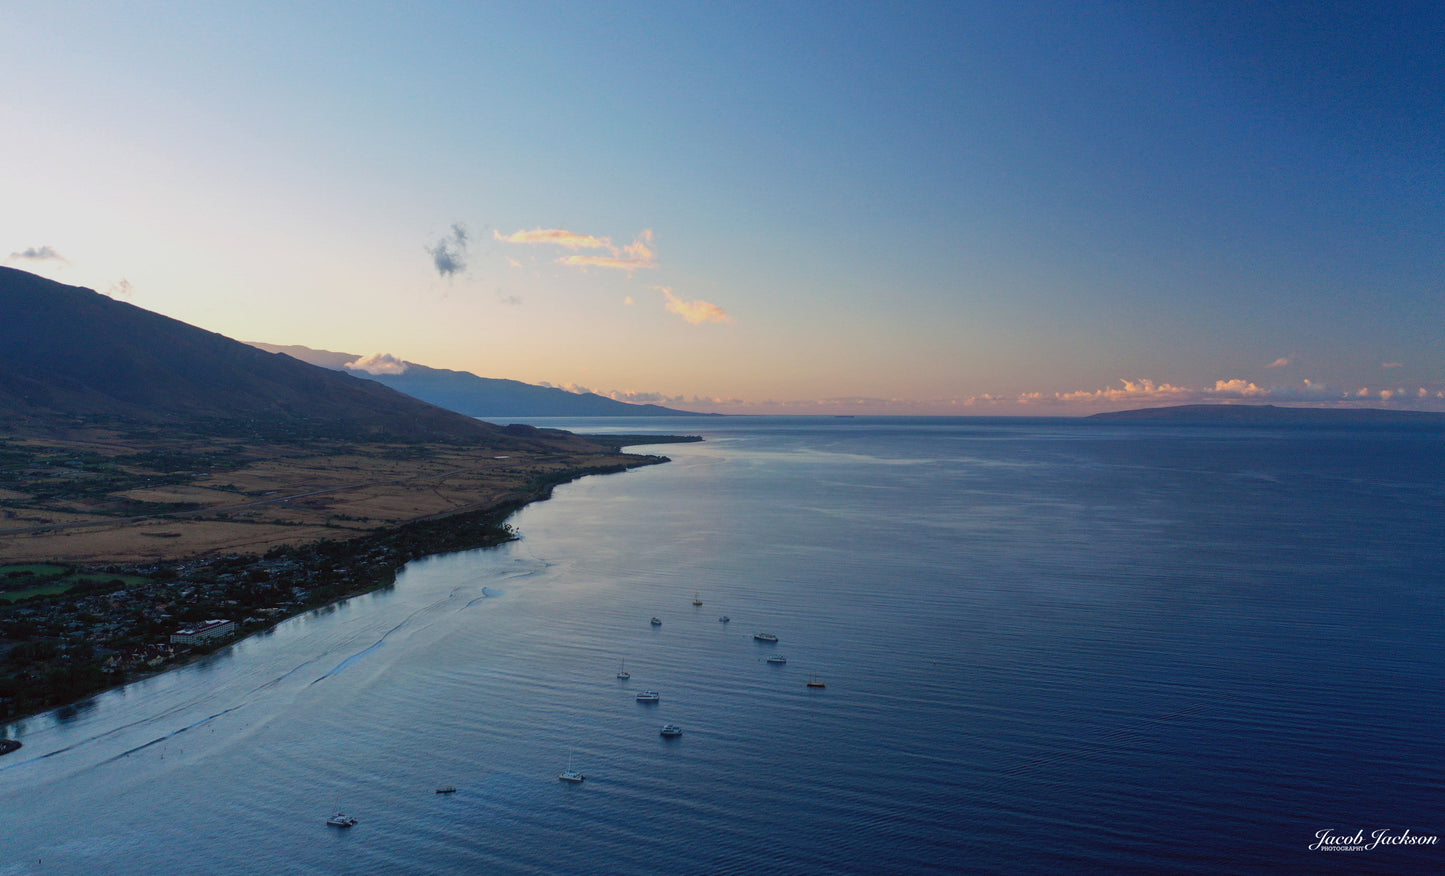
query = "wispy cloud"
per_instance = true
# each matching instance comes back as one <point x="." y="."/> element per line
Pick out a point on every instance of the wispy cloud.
<point x="121" y="289"/>
<point x="556" y="237"/>
<point x="1281" y="362"/>
<point x="695" y="312"/>
<point x="378" y="363"/>
<point x="1392" y="364"/>
<point x="634" y="256"/>
<point x="450" y="253"/>
<point x="38" y="254"/>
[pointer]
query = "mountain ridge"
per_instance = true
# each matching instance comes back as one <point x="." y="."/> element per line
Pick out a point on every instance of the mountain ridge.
<point x="71" y="356"/>
<point x="477" y="396"/>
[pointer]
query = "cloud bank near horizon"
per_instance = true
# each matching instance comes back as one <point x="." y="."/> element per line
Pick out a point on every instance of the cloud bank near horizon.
<point x="1128" y="394"/>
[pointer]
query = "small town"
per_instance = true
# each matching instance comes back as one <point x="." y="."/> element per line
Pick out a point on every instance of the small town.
<point x="122" y="622"/>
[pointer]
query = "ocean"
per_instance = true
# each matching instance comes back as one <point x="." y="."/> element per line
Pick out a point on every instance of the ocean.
<point x="1048" y="646"/>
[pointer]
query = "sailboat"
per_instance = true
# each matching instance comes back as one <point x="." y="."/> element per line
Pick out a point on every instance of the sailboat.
<point x="571" y="775"/>
<point x="814" y="682"/>
<point x="623" y="673"/>
<point x="697" y="599"/>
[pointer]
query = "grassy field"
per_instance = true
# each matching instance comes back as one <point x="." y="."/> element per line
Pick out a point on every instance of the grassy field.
<point x="107" y="498"/>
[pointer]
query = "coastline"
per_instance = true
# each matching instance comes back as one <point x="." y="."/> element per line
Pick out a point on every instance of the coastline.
<point x="298" y="578"/>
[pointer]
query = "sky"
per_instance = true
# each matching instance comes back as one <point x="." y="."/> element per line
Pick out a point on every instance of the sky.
<point x="991" y="208"/>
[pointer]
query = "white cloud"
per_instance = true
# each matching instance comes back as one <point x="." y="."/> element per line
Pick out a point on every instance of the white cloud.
<point x="378" y="363"/>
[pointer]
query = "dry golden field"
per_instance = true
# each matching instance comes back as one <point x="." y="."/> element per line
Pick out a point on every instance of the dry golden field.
<point x="96" y="498"/>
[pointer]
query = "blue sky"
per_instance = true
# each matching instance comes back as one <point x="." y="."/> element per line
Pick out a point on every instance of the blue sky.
<point x="972" y="208"/>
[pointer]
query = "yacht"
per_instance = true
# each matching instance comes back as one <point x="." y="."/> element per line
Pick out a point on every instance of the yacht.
<point x="649" y="696"/>
<point x="777" y="659"/>
<point x="671" y="730"/>
<point x="697" y="599"/>
<point x="570" y="775"/>
<point x="814" y="682"/>
<point x="765" y="637"/>
<point x="623" y="673"/>
<point x="340" y="820"/>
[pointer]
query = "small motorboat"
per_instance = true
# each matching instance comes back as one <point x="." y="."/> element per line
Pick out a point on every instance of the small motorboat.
<point x="447" y="789"/>
<point x="649" y="696"/>
<point x="777" y="660"/>
<point x="656" y="622"/>
<point x="765" y="637"/>
<point x="342" y="820"/>
<point x="724" y="619"/>
<point x="671" y="730"/>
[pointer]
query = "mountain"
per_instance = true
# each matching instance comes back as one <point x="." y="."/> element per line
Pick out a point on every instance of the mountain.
<point x="1270" y="414"/>
<point x="475" y="396"/>
<point x="71" y="356"/>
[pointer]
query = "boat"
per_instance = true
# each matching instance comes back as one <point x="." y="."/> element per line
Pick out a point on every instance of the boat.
<point x="8" y="745"/>
<point x="778" y="659"/>
<point x="570" y="775"/>
<point x="671" y="730"/>
<point x="765" y="637"/>
<point x="724" y="619"/>
<point x="341" y="820"/>
<point x="623" y="673"/>
<point x="447" y="789"/>
<point x="697" y="599"/>
<point x="656" y="622"/>
<point x="814" y="682"/>
<point x="649" y="696"/>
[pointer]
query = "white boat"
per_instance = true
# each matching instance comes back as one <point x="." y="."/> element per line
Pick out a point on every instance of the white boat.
<point x="340" y="820"/>
<point x="570" y="775"/>
<point x="623" y="673"/>
<point x="656" y="622"/>
<point x="649" y="696"/>
<point x="777" y="659"/>
<point x="765" y="637"/>
<point x="671" y="730"/>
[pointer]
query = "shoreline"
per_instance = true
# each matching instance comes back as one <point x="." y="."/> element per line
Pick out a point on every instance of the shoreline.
<point x="371" y="562"/>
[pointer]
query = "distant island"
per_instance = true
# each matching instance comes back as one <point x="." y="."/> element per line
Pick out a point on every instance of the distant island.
<point x="1273" y="414"/>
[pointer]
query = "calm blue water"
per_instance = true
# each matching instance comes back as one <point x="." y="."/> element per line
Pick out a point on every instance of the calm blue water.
<point x="1049" y="646"/>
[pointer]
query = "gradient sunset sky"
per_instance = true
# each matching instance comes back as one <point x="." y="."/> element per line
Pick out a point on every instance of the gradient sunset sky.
<point x="936" y="208"/>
